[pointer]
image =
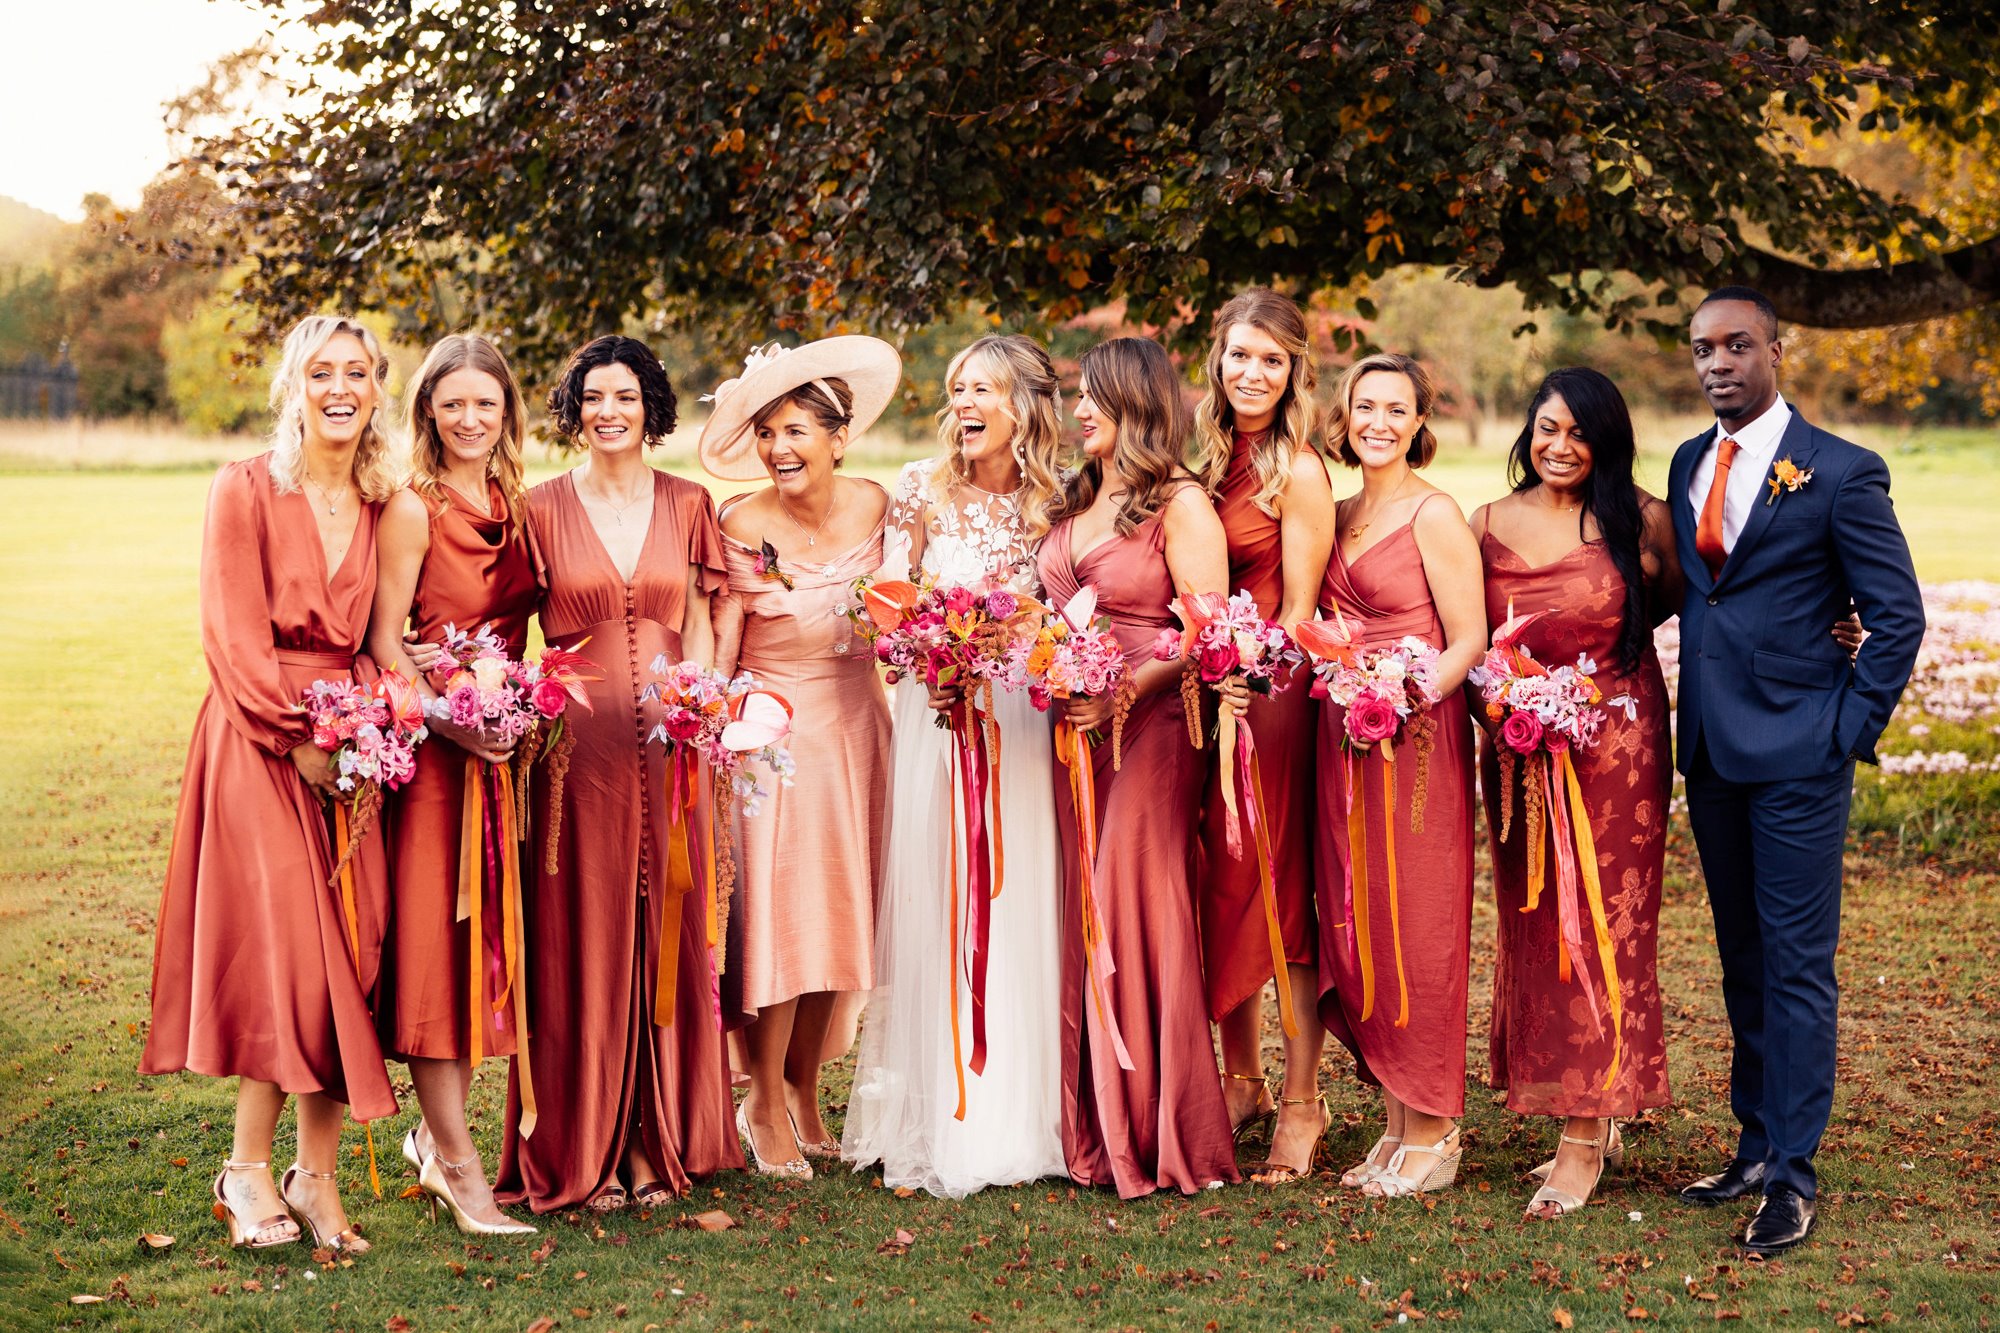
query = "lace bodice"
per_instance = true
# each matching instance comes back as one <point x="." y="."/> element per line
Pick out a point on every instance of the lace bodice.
<point x="969" y="536"/>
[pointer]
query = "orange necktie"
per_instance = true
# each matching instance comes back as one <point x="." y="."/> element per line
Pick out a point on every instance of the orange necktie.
<point x="1708" y="532"/>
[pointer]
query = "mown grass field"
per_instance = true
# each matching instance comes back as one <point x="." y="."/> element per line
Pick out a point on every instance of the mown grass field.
<point x="98" y="694"/>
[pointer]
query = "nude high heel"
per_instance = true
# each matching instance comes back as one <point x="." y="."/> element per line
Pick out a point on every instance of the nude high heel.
<point x="242" y="1236"/>
<point x="347" y="1240"/>
<point x="1614" y="1155"/>
<point x="1269" y="1172"/>
<point x="795" y="1168"/>
<point x="1568" y="1203"/>
<point x="435" y="1178"/>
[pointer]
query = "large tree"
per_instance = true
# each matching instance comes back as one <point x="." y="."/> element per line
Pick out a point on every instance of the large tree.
<point x="553" y="167"/>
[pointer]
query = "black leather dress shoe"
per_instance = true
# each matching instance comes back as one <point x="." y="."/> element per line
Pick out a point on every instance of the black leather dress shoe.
<point x="1784" y="1219"/>
<point x="1739" y="1178"/>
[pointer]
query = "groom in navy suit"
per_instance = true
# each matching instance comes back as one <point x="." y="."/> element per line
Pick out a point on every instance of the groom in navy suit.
<point x="1780" y="527"/>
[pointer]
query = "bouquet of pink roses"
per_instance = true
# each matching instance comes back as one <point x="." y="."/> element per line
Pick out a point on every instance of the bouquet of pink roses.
<point x="372" y="732"/>
<point x="1220" y="639"/>
<point x="736" y="729"/>
<point x="1544" y="714"/>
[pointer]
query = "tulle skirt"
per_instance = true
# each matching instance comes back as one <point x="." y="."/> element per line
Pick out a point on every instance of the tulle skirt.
<point x="901" y="1111"/>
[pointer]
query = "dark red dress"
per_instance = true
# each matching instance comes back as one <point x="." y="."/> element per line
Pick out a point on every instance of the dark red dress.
<point x="1548" y="1052"/>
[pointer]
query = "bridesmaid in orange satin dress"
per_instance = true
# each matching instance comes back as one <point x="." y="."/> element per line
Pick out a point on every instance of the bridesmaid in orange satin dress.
<point x="802" y="931"/>
<point x="1578" y="542"/>
<point x="1135" y="526"/>
<point x="453" y="552"/>
<point x="627" y="557"/>
<point x="1254" y="452"/>
<point x="1404" y="563"/>
<point x="253" y="973"/>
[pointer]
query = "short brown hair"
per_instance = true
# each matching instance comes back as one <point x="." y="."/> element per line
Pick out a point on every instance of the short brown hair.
<point x="811" y="397"/>
<point x="1424" y="447"/>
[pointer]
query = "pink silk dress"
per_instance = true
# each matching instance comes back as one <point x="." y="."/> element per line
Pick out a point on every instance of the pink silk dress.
<point x="1235" y="939"/>
<point x="604" y="1070"/>
<point x="1162" y="1124"/>
<point x="1384" y="596"/>
<point x="1547" y="1050"/>
<point x="253" y="972"/>
<point x="808" y="863"/>
<point x="476" y="573"/>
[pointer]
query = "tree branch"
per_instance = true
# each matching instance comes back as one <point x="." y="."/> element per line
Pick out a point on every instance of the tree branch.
<point x="1904" y="293"/>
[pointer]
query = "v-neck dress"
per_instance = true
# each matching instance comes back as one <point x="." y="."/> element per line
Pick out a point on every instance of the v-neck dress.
<point x="1548" y="1049"/>
<point x="1385" y="595"/>
<point x="253" y="974"/>
<point x="604" y="1071"/>
<point x="1161" y="1124"/>
<point x="476" y="573"/>
<point x="809" y="862"/>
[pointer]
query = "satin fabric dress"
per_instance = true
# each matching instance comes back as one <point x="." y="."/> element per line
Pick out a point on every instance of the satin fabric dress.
<point x="1384" y="595"/>
<point x="1235" y="938"/>
<point x="902" y="1109"/>
<point x="476" y="573"/>
<point x="1162" y="1124"/>
<point x="253" y="972"/>
<point x="808" y="863"/>
<point x="604" y="1069"/>
<point x="1547" y="1050"/>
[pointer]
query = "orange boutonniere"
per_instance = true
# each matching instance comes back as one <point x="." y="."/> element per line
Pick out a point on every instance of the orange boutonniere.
<point x="1785" y="476"/>
<point x="765" y="562"/>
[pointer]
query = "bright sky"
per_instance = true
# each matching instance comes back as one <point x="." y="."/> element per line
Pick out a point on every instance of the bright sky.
<point x="81" y="87"/>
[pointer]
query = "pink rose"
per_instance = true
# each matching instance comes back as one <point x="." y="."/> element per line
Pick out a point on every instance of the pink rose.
<point x="549" y="698"/>
<point x="1371" y="718"/>
<point x="1218" y="660"/>
<point x="958" y="601"/>
<point x="1557" y="741"/>
<point x="1521" y="732"/>
<point x="1166" y="645"/>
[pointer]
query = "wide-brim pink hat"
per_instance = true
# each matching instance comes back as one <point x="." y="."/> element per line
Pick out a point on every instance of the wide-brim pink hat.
<point x="870" y="367"/>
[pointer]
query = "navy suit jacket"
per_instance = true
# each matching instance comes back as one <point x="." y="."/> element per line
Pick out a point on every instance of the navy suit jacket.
<point x="1762" y="680"/>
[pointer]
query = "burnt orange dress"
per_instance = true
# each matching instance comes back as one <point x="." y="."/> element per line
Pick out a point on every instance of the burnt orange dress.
<point x="1161" y="1124"/>
<point x="476" y="573"/>
<point x="1384" y="596"/>
<point x="604" y="1070"/>
<point x="253" y="974"/>
<point x="1235" y="939"/>
<point x="1547" y="1050"/>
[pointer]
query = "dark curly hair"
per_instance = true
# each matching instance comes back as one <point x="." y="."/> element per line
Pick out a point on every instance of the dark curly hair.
<point x="656" y="391"/>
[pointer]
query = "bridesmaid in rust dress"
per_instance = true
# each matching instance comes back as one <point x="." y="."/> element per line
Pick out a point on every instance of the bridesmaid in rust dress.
<point x="254" y="972"/>
<point x="452" y="552"/>
<point x="1136" y="527"/>
<point x="1578" y="542"/>
<point x="802" y="933"/>
<point x="1254" y="452"/>
<point x="1404" y="563"/>
<point x="627" y="557"/>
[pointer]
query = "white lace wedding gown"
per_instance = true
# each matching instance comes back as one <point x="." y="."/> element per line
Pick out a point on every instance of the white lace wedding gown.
<point x="900" y="1112"/>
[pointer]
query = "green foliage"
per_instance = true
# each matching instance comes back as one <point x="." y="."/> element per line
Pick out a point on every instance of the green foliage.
<point x="215" y="385"/>
<point x="818" y="165"/>
<point x="31" y="314"/>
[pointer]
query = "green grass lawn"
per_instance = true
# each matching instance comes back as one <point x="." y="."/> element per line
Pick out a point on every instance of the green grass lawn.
<point x="98" y="696"/>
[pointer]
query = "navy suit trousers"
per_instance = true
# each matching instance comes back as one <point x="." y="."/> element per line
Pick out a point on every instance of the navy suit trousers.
<point x="1771" y="854"/>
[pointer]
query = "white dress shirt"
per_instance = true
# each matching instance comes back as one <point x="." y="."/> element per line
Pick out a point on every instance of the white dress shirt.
<point x="1757" y="449"/>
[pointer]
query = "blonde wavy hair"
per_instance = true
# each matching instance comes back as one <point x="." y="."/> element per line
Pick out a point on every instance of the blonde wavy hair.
<point x="1423" y="445"/>
<point x="467" y="351"/>
<point x="374" y="464"/>
<point x="1021" y="370"/>
<point x="1277" y="317"/>
<point x="1132" y="382"/>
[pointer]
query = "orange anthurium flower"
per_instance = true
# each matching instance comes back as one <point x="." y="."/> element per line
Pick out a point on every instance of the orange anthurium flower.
<point x="888" y="601"/>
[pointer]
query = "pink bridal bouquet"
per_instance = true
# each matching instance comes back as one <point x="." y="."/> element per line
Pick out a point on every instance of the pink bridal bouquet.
<point x="372" y="732"/>
<point x="1542" y="716"/>
<point x="1221" y="639"/>
<point x="736" y="731"/>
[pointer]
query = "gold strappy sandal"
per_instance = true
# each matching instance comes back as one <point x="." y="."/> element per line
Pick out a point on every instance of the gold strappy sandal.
<point x="1269" y="1172"/>
<point x="1259" y="1117"/>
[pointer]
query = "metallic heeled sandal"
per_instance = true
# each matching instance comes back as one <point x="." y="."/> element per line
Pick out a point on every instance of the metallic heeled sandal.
<point x="342" y="1241"/>
<point x="1269" y="1172"/>
<point x="795" y="1168"/>
<point x="1260" y="1116"/>
<point x="1614" y="1155"/>
<point x="1568" y="1203"/>
<point x="243" y="1237"/>
<point x="434" y="1177"/>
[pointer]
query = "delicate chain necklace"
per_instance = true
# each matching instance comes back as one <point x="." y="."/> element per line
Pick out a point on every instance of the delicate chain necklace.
<point x="618" y="510"/>
<point x="1559" y="508"/>
<point x="1354" y="532"/>
<point x="812" y="538"/>
<point x="332" y="501"/>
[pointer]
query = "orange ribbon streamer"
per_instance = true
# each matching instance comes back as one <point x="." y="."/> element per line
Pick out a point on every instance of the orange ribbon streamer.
<point x="477" y="824"/>
<point x="1260" y="834"/>
<point x="1357" y="845"/>
<point x="1074" y="751"/>
<point x="679" y="883"/>
<point x="1395" y="905"/>
<point x="350" y="912"/>
<point x="1593" y="891"/>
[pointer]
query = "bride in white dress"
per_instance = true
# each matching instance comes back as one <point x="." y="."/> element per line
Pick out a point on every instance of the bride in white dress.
<point x="973" y="514"/>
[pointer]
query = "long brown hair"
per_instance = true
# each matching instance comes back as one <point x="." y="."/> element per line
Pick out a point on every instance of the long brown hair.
<point x="1132" y="382"/>
<point x="1277" y="317"/>
<point x="1021" y="369"/>
<point x="467" y="351"/>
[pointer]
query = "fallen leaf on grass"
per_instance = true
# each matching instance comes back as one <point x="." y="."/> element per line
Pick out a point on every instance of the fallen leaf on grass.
<point x="1563" y="1318"/>
<point x="86" y="1298"/>
<point x="544" y="1250"/>
<point x="397" y="1324"/>
<point x="154" y="1242"/>
<point x="542" y="1325"/>
<point x="899" y="1243"/>
<point x="412" y="1192"/>
<point x="905" y="1192"/>
<point x="713" y="1220"/>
